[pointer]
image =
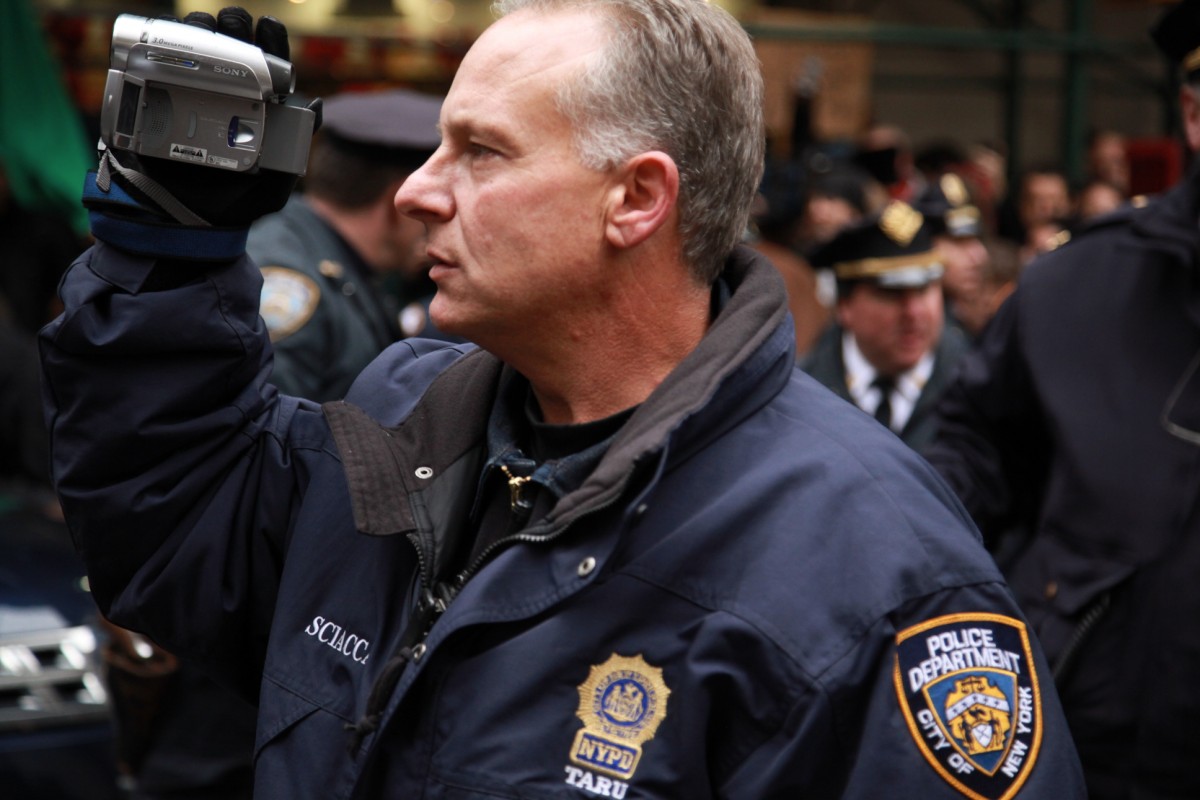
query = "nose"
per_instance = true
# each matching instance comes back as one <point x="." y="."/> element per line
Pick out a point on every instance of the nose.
<point x="425" y="194"/>
<point x="979" y="253"/>
<point x="912" y="302"/>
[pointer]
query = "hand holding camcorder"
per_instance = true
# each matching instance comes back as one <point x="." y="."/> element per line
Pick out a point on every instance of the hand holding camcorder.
<point x="183" y="92"/>
<point x="204" y="110"/>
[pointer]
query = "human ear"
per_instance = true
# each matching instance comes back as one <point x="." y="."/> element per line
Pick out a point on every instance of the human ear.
<point x="642" y="200"/>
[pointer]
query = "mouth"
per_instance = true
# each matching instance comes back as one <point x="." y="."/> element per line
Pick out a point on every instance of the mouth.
<point x="439" y="262"/>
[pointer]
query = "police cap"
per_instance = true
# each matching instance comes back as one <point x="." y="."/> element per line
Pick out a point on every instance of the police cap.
<point x="947" y="207"/>
<point x="397" y="125"/>
<point x="844" y="182"/>
<point x="1177" y="34"/>
<point x="893" y="249"/>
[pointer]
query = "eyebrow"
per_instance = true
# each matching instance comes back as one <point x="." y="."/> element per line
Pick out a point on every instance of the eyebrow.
<point x="472" y="128"/>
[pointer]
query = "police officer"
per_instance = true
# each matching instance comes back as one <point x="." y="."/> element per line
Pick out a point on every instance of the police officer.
<point x="326" y="256"/>
<point x="1077" y="419"/>
<point x="889" y="351"/>
<point x="621" y="548"/>
<point x="957" y="229"/>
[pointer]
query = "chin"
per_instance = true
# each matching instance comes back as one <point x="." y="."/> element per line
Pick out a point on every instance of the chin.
<point x="450" y="318"/>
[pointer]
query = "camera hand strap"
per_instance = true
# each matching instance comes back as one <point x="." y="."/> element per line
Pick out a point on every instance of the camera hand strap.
<point x="147" y="186"/>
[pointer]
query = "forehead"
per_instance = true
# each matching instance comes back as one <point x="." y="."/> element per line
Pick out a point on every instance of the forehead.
<point x="523" y="54"/>
<point x="871" y="293"/>
<point x="1045" y="182"/>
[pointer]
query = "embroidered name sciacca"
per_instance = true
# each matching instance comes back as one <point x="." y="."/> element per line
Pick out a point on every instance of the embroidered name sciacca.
<point x="969" y="693"/>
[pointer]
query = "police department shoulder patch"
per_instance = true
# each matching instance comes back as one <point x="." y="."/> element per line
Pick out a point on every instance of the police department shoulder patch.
<point x="970" y="695"/>
<point x="288" y="300"/>
<point x="621" y="703"/>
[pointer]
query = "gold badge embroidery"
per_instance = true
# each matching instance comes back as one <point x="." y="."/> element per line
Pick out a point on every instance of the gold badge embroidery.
<point x="954" y="189"/>
<point x="900" y="222"/>
<point x="622" y="703"/>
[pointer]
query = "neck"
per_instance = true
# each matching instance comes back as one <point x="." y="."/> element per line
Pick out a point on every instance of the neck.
<point x="611" y="359"/>
<point x="360" y="227"/>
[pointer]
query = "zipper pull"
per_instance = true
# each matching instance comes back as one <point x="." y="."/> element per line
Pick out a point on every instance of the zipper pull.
<point x="516" y="485"/>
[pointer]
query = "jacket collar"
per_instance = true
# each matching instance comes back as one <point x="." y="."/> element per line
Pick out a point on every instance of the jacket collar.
<point x="743" y="360"/>
<point x="1170" y="224"/>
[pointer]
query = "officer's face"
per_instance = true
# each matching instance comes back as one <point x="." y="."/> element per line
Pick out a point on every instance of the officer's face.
<point x="1044" y="198"/>
<point x="1189" y="101"/>
<point x="964" y="258"/>
<point x="893" y="327"/>
<point x="824" y="216"/>
<point x="514" y="220"/>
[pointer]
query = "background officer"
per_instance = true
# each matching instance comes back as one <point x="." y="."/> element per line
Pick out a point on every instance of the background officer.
<point x="340" y="264"/>
<point x="1077" y="419"/>
<point x="956" y="226"/>
<point x="889" y="351"/>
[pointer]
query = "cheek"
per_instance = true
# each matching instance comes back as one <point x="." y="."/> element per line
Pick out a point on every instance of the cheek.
<point x="497" y="224"/>
<point x="933" y="304"/>
<point x="872" y="320"/>
<point x="525" y="217"/>
<point x="409" y="234"/>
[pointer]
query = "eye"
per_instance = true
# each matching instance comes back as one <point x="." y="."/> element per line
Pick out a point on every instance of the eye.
<point x="480" y="150"/>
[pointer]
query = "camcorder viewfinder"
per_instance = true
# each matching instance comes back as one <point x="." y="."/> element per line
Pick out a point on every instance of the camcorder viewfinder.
<point x="187" y="94"/>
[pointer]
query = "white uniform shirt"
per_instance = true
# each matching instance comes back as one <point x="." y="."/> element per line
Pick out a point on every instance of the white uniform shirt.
<point x="860" y="376"/>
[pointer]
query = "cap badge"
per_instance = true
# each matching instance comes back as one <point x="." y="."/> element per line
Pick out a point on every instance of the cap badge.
<point x="954" y="189"/>
<point x="900" y="222"/>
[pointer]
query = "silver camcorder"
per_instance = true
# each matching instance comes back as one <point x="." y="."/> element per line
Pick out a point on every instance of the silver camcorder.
<point x="185" y="93"/>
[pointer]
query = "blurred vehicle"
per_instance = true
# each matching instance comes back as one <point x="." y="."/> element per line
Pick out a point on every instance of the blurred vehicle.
<point x="56" y="738"/>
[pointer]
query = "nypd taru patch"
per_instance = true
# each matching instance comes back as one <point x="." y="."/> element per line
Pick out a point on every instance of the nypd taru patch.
<point x="621" y="703"/>
<point x="969" y="693"/>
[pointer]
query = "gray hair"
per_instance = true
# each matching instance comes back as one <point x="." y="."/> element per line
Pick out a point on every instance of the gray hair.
<point x="680" y="76"/>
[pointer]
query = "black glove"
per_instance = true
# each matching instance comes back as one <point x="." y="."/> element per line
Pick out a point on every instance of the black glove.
<point x="214" y="197"/>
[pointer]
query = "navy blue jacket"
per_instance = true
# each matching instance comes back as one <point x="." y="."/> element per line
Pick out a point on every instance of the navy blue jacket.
<point x="757" y="593"/>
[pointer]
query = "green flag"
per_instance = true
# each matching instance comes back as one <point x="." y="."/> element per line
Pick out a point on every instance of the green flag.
<point x="42" y="141"/>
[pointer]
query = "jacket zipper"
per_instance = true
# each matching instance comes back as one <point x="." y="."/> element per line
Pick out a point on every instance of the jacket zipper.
<point x="1087" y="623"/>
<point x="435" y="596"/>
<point x="460" y="580"/>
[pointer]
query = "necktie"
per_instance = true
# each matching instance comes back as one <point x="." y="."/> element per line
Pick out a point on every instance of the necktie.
<point x="883" y="411"/>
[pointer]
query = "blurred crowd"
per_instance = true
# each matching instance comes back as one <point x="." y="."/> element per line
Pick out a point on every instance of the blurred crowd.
<point x="38" y="247"/>
<point x="344" y="279"/>
<point x="985" y="231"/>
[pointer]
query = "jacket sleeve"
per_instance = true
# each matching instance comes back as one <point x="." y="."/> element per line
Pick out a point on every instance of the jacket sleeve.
<point x="989" y="443"/>
<point x="175" y="463"/>
<point x="303" y="357"/>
